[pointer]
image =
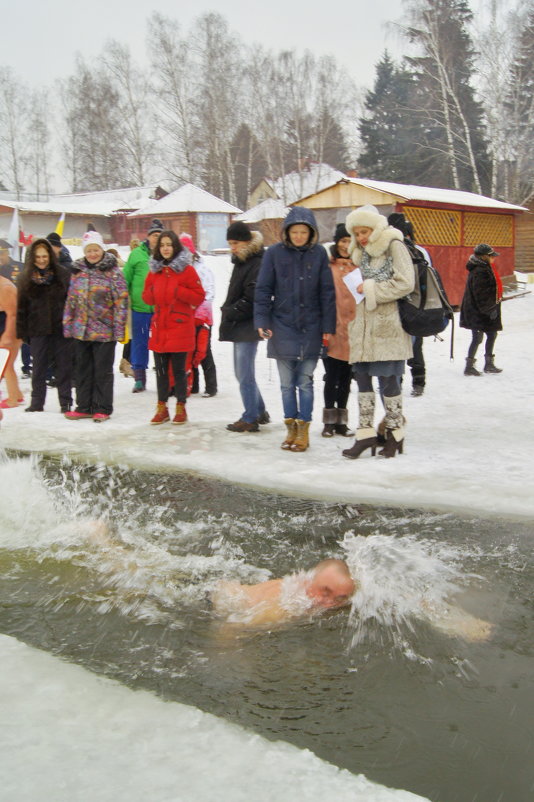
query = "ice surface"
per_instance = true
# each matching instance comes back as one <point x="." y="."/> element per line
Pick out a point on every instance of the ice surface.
<point x="68" y="735"/>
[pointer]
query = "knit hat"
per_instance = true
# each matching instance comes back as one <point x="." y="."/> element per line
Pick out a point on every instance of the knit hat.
<point x="485" y="250"/>
<point x="341" y="232"/>
<point x="92" y="238"/>
<point x="156" y="226"/>
<point x="54" y="239"/>
<point x="187" y="240"/>
<point x="239" y="232"/>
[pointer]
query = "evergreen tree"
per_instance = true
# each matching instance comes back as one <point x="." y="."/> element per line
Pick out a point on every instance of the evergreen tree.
<point x="387" y="130"/>
<point x="450" y="116"/>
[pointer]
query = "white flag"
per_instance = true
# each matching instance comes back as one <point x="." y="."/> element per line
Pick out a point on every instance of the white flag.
<point x="13" y="236"/>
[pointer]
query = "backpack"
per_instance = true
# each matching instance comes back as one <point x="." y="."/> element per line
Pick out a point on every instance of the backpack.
<point x="426" y="311"/>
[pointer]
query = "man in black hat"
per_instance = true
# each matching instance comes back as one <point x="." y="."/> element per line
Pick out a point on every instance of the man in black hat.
<point x="135" y="272"/>
<point x="237" y="322"/>
<point x="62" y="253"/>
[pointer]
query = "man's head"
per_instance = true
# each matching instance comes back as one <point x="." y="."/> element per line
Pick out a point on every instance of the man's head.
<point x="55" y="241"/>
<point x="331" y="584"/>
<point x="238" y="236"/>
<point x="154" y="230"/>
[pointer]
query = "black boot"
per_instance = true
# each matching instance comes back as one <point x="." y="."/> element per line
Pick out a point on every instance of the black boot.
<point x="489" y="366"/>
<point x="341" y="425"/>
<point x="470" y="369"/>
<point x="392" y="445"/>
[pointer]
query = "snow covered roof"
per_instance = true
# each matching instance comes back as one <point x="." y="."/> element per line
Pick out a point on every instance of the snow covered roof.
<point x="102" y="204"/>
<point x="300" y="184"/>
<point x="269" y="209"/>
<point x="187" y="198"/>
<point x="411" y="192"/>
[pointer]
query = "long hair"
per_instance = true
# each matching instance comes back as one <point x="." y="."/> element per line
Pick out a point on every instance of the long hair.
<point x="29" y="263"/>
<point x="176" y="245"/>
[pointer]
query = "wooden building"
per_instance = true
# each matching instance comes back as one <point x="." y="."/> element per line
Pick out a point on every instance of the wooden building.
<point x="524" y="239"/>
<point x="448" y="223"/>
<point x="188" y="209"/>
<point x="267" y="218"/>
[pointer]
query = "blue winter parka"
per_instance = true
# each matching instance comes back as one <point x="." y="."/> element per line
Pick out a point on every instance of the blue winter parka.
<point x="295" y="296"/>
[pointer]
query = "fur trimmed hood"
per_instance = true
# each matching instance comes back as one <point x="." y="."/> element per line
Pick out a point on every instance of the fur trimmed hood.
<point x="381" y="238"/>
<point x="250" y="248"/>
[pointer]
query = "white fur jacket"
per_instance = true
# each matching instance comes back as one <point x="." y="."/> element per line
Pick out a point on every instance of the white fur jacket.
<point x="376" y="333"/>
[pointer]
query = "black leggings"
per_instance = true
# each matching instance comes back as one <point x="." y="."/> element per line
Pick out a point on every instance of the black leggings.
<point x="477" y="337"/>
<point x="177" y="360"/>
<point x="389" y="386"/>
<point x="338" y="376"/>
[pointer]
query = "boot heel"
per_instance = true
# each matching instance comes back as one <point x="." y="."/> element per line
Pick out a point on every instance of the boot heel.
<point x="401" y="447"/>
<point x="373" y="451"/>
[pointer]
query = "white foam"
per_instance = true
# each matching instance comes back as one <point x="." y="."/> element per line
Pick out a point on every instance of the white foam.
<point x="68" y="735"/>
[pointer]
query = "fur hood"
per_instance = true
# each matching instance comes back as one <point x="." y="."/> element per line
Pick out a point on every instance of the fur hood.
<point x="381" y="238"/>
<point x="250" y="248"/>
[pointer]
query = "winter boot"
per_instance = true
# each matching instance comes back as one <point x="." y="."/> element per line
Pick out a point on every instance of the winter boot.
<point x="162" y="414"/>
<point x="140" y="381"/>
<point x="365" y="434"/>
<point x="301" y="441"/>
<point x="126" y="369"/>
<point x="291" y="424"/>
<point x="394" y="426"/>
<point x="470" y="369"/>
<point x="490" y="367"/>
<point x="329" y="420"/>
<point x="341" y="425"/>
<point x="180" y="415"/>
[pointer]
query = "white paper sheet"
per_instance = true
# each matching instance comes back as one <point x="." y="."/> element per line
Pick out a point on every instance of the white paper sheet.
<point x="353" y="280"/>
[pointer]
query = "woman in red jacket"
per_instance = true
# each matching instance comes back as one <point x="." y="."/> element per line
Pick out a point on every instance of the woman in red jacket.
<point x="173" y="288"/>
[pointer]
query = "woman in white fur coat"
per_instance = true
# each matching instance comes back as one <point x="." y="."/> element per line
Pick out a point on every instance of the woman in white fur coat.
<point x="379" y="346"/>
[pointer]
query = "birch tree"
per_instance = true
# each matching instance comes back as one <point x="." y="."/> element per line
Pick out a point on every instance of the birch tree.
<point x="13" y="120"/>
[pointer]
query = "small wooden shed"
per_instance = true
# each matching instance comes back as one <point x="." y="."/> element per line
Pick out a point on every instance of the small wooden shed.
<point x="267" y="218"/>
<point x="524" y="239"/>
<point x="448" y="223"/>
<point x="188" y="209"/>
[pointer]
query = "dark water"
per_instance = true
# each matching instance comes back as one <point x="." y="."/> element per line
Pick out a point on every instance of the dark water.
<point x="393" y="697"/>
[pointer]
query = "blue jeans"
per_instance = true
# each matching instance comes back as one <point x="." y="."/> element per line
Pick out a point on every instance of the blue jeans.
<point x="140" y="332"/>
<point x="297" y="374"/>
<point x="244" y="363"/>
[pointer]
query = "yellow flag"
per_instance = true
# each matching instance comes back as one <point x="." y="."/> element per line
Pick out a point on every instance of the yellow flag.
<point x="61" y="224"/>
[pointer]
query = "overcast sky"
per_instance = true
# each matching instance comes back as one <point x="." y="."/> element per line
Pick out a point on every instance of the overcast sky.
<point x="41" y="37"/>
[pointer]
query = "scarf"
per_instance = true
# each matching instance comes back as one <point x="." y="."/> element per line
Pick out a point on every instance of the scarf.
<point x="499" y="283"/>
<point x="45" y="276"/>
<point x="382" y="273"/>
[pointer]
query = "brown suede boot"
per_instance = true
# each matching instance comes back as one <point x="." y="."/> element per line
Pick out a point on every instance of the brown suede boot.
<point x="180" y="414"/>
<point x="162" y="414"/>
<point x="291" y="425"/>
<point x="301" y="442"/>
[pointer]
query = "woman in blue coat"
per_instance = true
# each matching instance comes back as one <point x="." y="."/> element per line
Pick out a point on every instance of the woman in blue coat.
<point x="294" y="306"/>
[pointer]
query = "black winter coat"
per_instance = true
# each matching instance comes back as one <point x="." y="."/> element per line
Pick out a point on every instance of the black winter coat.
<point x="40" y="307"/>
<point x="295" y="295"/>
<point x="237" y="324"/>
<point x="481" y="308"/>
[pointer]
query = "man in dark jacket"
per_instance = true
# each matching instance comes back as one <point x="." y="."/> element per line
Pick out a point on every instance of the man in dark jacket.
<point x="63" y="254"/>
<point x="237" y="324"/>
<point x="295" y="306"/>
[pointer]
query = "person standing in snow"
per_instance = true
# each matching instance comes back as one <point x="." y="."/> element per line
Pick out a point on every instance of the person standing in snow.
<point x="481" y="307"/>
<point x="135" y="272"/>
<point x="338" y="370"/>
<point x="203" y="324"/>
<point x="95" y="317"/>
<point x="8" y="339"/>
<point x="174" y="289"/>
<point x="237" y="323"/>
<point x="294" y="308"/>
<point x="42" y="291"/>
<point x="379" y="345"/>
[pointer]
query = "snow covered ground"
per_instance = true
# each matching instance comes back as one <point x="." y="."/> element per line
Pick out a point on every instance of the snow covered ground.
<point x="468" y="440"/>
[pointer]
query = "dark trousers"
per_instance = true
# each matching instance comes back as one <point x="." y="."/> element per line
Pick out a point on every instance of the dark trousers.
<point x="209" y="370"/>
<point x="94" y="376"/>
<point x="26" y="358"/>
<point x="417" y="363"/>
<point x="476" y="338"/>
<point x="58" y="348"/>
<point x="389" y="386"/>
<point x="177" y="361"/>
<point x="338" y="376"/>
